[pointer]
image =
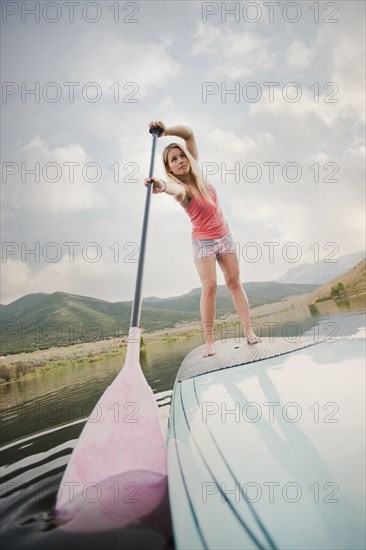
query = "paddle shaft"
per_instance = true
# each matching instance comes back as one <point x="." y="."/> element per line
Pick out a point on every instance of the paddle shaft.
<point x="136" y="307"/>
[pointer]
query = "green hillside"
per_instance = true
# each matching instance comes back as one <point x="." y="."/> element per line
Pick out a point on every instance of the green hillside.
<point x="39" y="321"/>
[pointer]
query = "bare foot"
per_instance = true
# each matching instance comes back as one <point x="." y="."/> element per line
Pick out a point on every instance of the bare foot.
<point x="209" y="349"/>
<point x="253" y="338"/>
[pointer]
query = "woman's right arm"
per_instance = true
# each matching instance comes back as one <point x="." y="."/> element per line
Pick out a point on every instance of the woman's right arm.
<point x="170" y="187"/>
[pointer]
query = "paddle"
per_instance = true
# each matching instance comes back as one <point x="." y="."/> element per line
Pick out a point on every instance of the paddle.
<point x="117" y="472"/>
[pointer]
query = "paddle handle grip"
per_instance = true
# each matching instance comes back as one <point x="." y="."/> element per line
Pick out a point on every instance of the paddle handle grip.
<point x="158" y="130"/>
<point x="137" y="301"/>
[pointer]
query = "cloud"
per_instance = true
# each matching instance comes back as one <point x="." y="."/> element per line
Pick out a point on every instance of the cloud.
<point x="15" y="277"/>
<point x="294" y="106"/>
<point x="57" y="179"/>
<point x="304" y="211"/>
<point x="78" y="277"/>
<point x="224" y="140"/>
<point x="117" y="60"/>
<point x="298" y="55"/>
<point x="345" y="60"/>
<point x="357" y="149"/>
<point x="232" y="54"/>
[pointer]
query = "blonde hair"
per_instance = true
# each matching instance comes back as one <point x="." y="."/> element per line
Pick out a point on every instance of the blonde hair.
<point x="197" y="188"/>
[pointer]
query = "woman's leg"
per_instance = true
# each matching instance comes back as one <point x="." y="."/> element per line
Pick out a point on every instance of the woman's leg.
<point x="206" y="267"/>
<point x="230" y="267"/>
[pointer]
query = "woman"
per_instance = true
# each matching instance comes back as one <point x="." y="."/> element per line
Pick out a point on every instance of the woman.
<point x="211" y="236"/>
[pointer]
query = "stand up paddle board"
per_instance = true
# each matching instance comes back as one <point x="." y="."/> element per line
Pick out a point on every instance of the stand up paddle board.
<point x="265" y="446"/>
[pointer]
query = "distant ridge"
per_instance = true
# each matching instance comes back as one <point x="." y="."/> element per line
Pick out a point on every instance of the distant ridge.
<point x="39" y="321"/>
<point x="323" y="271"/>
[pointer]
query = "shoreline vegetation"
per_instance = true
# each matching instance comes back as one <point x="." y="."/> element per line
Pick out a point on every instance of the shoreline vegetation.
<point x="18" y="366"/>
<point x="24" y="365"/>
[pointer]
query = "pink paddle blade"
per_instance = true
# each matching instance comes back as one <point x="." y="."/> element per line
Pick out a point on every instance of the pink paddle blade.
<point x="116" y="502"/>
<point x="117" y="471"/>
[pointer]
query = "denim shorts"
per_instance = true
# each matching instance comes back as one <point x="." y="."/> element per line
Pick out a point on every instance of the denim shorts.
<point x="213" y="247"/>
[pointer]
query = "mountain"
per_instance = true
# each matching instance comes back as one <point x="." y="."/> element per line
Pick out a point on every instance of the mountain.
<point x="39" y="321"/>
<point x="354" y="282"/>
<point x="323" y="271"/>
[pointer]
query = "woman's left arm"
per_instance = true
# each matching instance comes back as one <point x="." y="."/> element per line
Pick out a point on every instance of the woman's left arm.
<point x="187" y="134"/>
<point x="184" y="132"/>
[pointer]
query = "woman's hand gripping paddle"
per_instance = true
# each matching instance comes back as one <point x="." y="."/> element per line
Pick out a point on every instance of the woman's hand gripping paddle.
<point x="117" y="472"/>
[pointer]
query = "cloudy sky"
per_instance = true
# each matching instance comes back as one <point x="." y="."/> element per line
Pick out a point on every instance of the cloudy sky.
<point x="274" y="94"/>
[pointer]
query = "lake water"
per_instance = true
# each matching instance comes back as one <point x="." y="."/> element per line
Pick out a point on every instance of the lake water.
<point x="42" y="417"/>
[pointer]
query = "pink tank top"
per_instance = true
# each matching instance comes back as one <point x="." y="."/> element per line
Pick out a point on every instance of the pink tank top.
<point x="207" y="219"/>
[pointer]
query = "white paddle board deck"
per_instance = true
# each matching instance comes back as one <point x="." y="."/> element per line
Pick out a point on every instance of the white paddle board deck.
<point x="257" y="455"/>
